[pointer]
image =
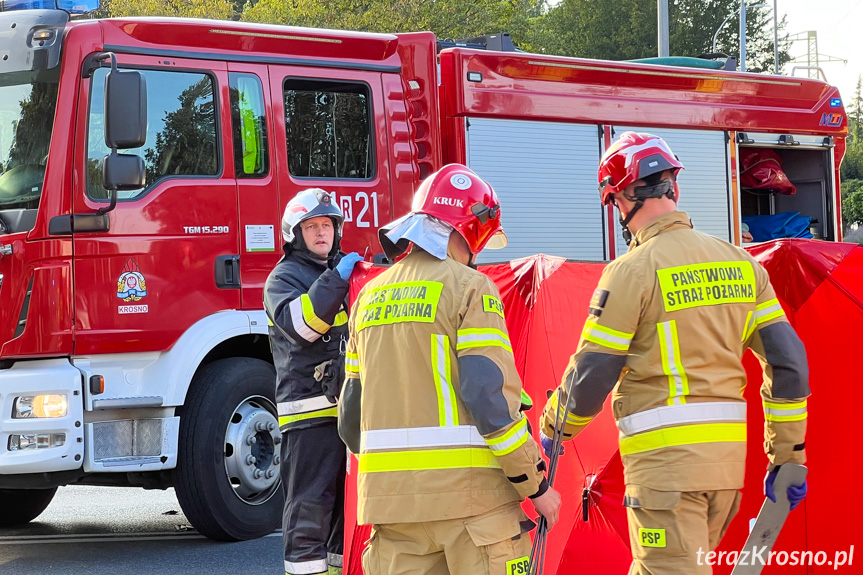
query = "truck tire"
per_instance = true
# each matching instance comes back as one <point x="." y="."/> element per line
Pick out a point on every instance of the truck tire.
<point x="227" y="475"/>
<point x="23" y="505"/>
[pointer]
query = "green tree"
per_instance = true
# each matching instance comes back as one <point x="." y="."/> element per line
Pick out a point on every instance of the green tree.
<point x="626" y="29"/>
<point x="216" y="9"/>
<point x="852" y="164"/>
<point x="852" y="202"/>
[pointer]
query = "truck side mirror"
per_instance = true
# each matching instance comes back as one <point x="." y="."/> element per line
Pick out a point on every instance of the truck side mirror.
<point x="121" y="172"/>
<point x="125" y="108"/>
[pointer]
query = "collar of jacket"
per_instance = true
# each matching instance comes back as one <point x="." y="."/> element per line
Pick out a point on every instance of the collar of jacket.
<point x="306" y="257"/>
<point x="666" y="223"/>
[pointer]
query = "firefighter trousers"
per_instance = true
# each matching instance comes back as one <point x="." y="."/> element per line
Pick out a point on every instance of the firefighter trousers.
<point x="671" y="532"/>
<point x="494" y="543"/>
<point x="313" y="481"/>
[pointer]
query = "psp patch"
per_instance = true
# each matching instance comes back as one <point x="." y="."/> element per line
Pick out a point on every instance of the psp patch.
<point x="651" y="537"/>
<point x="491" y="304"/>
<point x="518" y="566"/>
<point x="598" y="301"/>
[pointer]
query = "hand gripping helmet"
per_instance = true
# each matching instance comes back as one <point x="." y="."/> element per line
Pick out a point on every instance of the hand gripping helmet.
<point x="308" y="204"/>
<point x="635" y="157"/>
<point x="456" y="195"/>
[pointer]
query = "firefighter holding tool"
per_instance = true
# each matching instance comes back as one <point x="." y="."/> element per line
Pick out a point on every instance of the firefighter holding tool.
<point x="432" y="398"/>
<point x="666" y="331"/>
<point x="305" y="299"/>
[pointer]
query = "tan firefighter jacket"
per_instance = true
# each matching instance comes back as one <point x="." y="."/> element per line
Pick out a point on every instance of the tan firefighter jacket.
<point x="667" y="328"/>
<point x="432" y="389"/>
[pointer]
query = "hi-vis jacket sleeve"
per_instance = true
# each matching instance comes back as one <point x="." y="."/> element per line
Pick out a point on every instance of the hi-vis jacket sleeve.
<point x="594" y="369"/>
<point x="490" y="387"/>
<point x="305" y="316"/>
<point x="785" y="388"/>
<point x="350" y="399"/>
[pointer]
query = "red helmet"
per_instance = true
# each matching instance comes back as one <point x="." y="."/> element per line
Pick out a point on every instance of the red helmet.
<point x="634" y="157"/>
<point x="456" y="195"/>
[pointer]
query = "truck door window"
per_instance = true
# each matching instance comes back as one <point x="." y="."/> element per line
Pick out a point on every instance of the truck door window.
<point x="181" y="131"/>
<point x="328" y="129"/>
<point x="249" y="122"/>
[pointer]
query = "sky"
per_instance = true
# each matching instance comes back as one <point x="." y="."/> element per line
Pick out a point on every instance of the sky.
<point x="839" y="24"/>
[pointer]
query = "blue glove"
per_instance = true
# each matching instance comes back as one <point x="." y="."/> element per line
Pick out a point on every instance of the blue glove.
<point x="347" y="263"/>
<point x="548" y="445"/>
<point x="796" y="493"/>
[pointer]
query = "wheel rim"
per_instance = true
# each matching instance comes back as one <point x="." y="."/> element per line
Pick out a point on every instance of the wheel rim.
<point x="252" y="450"/>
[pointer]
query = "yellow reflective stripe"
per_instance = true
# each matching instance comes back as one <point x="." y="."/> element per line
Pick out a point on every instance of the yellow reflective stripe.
<point x="511" y="440"/>
<point x="798" y="405"/>
<point x="785" y="418"/>
<point x="329" y="412"/>
<point x="683" y="435"/>
<point x="669" y="348"/>
<point x="442" y="369"/>
<point x="780" y="412"/>
<point x="482" y="337"/>
<point x="571" y="418"/>
<point x="748" y="327"/>
<point x="352" y="363"/>
<point x="310" y="317"/>
<point x="605" y="336"/>
<point x="771" y="309"/>
<point x="427" y="459"/>
<point x="711" y="283"/>
<point x="341" y="318"/>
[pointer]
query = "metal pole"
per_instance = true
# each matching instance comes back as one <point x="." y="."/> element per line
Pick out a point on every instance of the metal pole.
<point x="662" y="27"/>
<point x="775" y="40"/>
<point x="742" y="35"/>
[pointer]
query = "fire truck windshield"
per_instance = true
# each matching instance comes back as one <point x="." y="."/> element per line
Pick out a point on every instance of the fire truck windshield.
<point x="27" y="105"/>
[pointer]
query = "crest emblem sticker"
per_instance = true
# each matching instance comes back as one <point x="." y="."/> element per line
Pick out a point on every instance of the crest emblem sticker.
<point x="131" y="285"/>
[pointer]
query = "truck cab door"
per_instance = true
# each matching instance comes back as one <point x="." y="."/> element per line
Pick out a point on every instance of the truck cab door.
<point x="168" y="255"/>
<point x="257" y="183"/>
<point x="330" y="132"/>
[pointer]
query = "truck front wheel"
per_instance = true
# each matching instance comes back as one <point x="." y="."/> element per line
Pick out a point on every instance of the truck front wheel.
<point x="227" y="475"/>
<point x="23" y="505"/>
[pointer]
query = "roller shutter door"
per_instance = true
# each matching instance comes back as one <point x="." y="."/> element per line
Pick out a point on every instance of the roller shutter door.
<point x="545" y="176"/>
<point x="704" y="190"/>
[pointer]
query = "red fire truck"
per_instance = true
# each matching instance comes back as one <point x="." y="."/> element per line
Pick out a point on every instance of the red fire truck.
<point x="145" y="163"/>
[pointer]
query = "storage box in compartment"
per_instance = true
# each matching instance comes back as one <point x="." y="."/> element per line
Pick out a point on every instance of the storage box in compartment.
<point x="808" y="170"/>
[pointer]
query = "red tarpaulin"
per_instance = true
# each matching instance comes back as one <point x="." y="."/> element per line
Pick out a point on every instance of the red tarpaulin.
<point x="820" y="285"/>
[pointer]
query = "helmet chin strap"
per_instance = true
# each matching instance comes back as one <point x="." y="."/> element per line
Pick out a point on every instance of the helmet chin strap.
<point x="640" y="194"/>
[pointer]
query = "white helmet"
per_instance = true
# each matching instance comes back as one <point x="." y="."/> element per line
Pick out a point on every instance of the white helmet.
<point x="308" y="204"/>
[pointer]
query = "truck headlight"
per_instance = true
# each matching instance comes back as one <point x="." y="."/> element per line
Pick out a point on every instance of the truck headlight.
<point x="33" y="406"/>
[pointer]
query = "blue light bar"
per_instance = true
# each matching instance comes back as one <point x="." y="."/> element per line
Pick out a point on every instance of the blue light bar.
<point x="70" y="6"/>
<point x="836" y="102"/>
<point x="78" y="6"/>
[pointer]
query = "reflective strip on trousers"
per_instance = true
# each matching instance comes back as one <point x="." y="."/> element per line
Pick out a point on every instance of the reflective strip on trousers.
<point x="511" y="440"/>
<point x="293" y="411"/>
<point x="440" y="358"/>
<point x="605" y="336"/>
<point x="479" y="337"/>
<point x="419" y="437"/>
<point x="304" y="405"/>
<point x="683" y="435"/>
<point x="306" y="567"/>
<point x="427" y="460"/>
<point x="299" y="325"/>
<point x="780" y="412"/>
<point x="671" y="415"/>
<point x="669" y="348"/>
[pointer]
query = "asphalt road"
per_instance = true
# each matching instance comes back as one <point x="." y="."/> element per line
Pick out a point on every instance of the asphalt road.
<point x="113" y="531"/>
